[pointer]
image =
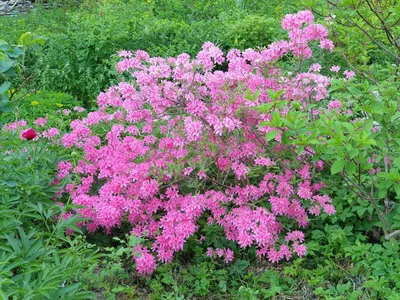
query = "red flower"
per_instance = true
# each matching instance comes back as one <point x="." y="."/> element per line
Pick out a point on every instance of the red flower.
<point x="29" y="134"/>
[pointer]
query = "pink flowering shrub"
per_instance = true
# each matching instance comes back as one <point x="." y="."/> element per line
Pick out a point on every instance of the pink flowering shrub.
<point x="182" y="142"/>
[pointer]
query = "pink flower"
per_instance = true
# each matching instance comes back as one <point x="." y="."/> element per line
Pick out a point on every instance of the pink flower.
<point x="229" y="255"/>
<point x="348" y="74"/>
<point x="79" y="109"/>
<point x="264" y="161"/>
<point x="15" y="125"/>
<point x="240" y="170"/>
<point x="145" y="262"/>
<point x="63" y="169"/>
<point x="40" y="121"/>
<point x="319" y="165"/>
<point x="201" y="174"/>
<point x="124" y="53"/>
<point x="294" y="236"/>
<point x="327" y="44"/>
<point x="304" y="190"/>
<point x="300" y="249"/>
<point x="335" y="69"/>
<point x="187" y="171"/>
<point x="335" y="104"/>
<point x="315" y="68"/>
<point x="193" y="129"/>
<point x="52" y="132"/>
<point x="220" y="252"/>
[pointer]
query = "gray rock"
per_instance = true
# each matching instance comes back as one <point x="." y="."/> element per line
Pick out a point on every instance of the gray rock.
<point x="13" y="7"/>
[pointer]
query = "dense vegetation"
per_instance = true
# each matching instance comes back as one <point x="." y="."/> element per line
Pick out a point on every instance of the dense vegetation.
<point x="190" y="170"/>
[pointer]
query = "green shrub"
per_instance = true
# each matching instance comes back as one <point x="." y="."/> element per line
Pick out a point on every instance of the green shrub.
<point x="250" y="31"/>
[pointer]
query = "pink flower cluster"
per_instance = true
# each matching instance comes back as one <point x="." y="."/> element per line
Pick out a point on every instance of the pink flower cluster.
<point x="40" y="122"/>
<point x="13" y="126"/>
<point x="30" y="133"/>
<point x="182" y="142"/>
<point x="226" y="253"/>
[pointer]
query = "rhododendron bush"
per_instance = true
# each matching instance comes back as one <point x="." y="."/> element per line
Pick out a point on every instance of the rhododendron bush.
<point x="185" y="140"/>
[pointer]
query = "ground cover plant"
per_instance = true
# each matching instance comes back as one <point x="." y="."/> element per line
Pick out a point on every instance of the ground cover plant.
<point x="203" y="172"/>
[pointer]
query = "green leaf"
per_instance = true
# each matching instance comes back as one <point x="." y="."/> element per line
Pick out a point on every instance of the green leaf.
<point x="300" y="150"/>
<point x="271" y="135"/>
<point x="257" y="94"/>
<point x="4" y="87"/>
<point x="285" y="137"/>
<point x="6" y="106"/>
<point x="274" y="95"/>
<point x="69" y="288"/>
<point x="353" y="153"/>
<point x="396" y="162"/>
<point x="5" y="46"/>
<point x="395" y="116"/>
<point x="350" y="168"/>
<point x="16" y="52"/>
<point x="361" y="210"/>
<point x="337" y="166"/>
<point x="276" y="118"/>
<point x="6" y="64"/>
<point x="10" y="183"/>
<point x="249" y="96"/>
<point x="264" y="108"/>
<point x="397" y="189"/>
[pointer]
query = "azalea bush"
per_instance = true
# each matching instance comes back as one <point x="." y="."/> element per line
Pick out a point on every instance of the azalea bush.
<point x="212" y="165"/>
<point x="184" y="146"/>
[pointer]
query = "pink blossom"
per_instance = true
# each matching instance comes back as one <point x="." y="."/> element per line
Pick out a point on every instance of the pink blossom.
<point x="52" y="132"/>
<point x="334" y="104"/>
<point x="335" y="69"/>
<point x="145" y="262"/>
<point x="202" y="174"/>
<point x="294" y="236"/>
<point x="220" y="252"/>
<point x="40" y="121"/>
<point x="326" y="44"/>
<point x="193" y="129"/>
<point x="187" y="171"/>
<point x="229" y="255"/>
<point x="315" y="68"/>
<point x="348" y="74"/>
<point x="15" y="125"/>
<point x="124" y="53"/>
<point x="300" y="249"/>
<point x="304" y="190"/>
<point x="63" y="169"/>
<point x="79" y="109"/>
